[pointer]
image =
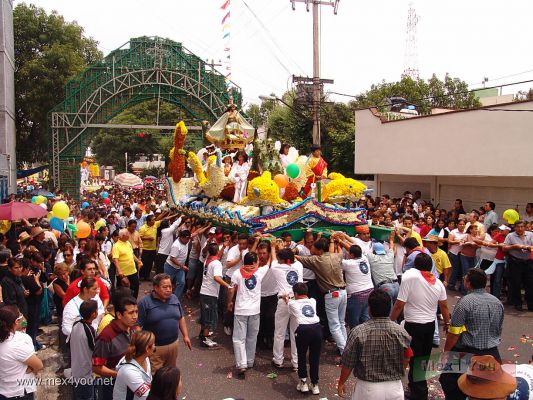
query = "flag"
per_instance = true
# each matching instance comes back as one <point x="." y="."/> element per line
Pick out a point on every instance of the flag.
<point x="225" y="5"/>
<point x="225" y="18"/>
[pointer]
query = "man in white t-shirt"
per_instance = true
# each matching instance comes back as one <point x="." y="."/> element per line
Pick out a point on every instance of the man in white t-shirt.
<point x="359" y="283"/>
<point x="269" y="299"/>
<point x="286" y="273"/>
<point x="175" y="265"/>
<point x="234" y="260"/>
<point x="212" y="280"/>
<point x="302" y="310"/>
<point x="420" y="294"/>
<point x="246" y="284"/>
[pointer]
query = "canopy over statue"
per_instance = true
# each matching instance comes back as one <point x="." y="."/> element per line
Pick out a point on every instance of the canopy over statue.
<point x="231" y="131"/>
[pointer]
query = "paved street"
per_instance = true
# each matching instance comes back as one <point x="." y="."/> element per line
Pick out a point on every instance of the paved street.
<point x="208" y="373"/>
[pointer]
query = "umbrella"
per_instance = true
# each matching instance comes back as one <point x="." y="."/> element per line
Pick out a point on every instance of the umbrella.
<point x="16" y="210"/>
<point x="150" y="178"/>
<point x="42" y="192"/>
<point x="128" y="180"/>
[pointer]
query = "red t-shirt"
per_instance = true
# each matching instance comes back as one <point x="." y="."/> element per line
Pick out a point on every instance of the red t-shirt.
<point x="74" y="290"/>
<point x="500" y="254"/>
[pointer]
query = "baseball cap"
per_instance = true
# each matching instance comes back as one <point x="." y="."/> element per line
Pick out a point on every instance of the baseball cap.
<point x="379" y="249"/>
<point x="212" y="231"/>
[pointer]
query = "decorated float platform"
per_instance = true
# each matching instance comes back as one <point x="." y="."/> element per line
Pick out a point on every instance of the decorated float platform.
<point x="266" y="199"/>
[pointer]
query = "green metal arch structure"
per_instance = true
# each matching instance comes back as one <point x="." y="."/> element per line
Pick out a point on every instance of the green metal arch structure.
<point x="142" y="69"/>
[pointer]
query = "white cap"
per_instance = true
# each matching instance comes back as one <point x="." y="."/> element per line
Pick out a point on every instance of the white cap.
<point x="504" y="228"/>
<point x="212" y="230"/>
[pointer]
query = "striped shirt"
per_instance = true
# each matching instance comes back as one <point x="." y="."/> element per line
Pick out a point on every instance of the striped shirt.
<point x="478" y="318"/>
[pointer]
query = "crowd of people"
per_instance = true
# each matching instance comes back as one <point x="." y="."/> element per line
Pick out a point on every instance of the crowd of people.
<point x="382" y="303"/>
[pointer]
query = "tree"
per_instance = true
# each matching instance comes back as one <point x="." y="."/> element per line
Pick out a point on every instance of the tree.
<point x="449" y="93"/>
<point x="110" y="147"/>
<point x="48" y="52"/>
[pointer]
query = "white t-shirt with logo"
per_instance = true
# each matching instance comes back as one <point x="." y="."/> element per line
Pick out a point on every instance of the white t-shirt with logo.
<point x="304" y="311"/>
<point x="248" y="299"/>
<point x="357" y="275"/>
<point x="210" y="287"/>
<point x="234" y="253"/>
<point x="304" y="251"/>
<point x="287" y="276"/>
<point x="421" y="298"/>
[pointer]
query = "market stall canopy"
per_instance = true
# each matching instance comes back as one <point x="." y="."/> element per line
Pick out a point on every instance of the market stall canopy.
<point x="128" y="180"/>
<point x="16" y="210"/>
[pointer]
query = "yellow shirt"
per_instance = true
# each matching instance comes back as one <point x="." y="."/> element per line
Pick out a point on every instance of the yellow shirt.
<point x="106" y="320"/>
<point x="441" y="260"/>
<point x="123" y="252"/>
<point x="149" y="231"/>
<point x="135" y="240"/>
<point x="417" y="237"/>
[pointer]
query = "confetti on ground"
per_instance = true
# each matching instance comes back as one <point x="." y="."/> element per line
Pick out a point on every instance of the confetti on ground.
<point x="511" y="348"/>
<point x="272" y="375"/>
<point x="229" y="375"/>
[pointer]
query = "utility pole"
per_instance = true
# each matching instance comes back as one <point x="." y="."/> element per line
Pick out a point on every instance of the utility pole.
<point x="317" y="82"/>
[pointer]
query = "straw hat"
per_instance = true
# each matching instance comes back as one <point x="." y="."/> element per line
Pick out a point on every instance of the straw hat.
<point x="36" y="231"/>
<point x="24" y="236"/>
<point x="431" y="238"/>
<point x="485" y="379"/>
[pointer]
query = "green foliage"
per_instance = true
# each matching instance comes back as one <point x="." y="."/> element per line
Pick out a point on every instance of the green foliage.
<point x="449" y="93"/>
<point x="48" y="52"/>
<point x="110" y="147"/>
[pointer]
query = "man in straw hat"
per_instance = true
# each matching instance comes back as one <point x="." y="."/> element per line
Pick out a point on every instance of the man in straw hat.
<point x="440" y="258"/>
<point x="475" y="327"/>
<point x="485" y="379"/>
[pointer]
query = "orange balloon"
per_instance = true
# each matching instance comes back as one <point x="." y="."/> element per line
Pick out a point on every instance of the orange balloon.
<point x="281" y="180"/>
<point x="84" y="230"/>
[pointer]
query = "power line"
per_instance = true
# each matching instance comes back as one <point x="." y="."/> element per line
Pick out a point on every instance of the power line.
<point x="271" y="37"/>
<point x="437" y="97"/>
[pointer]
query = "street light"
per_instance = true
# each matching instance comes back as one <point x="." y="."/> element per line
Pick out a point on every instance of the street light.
<point x="267" y="98"/>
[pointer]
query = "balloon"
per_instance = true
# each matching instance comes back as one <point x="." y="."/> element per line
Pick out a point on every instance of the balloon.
<point x="83" y="230"/>
<point x="281" y="180"/>
<point x="72" y="228"/>
<point x="56" y="233"/>
<point x="43" y="206"/>
<point x="104" y="195"/>
<point x="5" y="225"/>
<point x="84" y="205"/>
<point x="40" y="200"/>
<point x="293" y="170"/>
<point x="99" y="224"/>
<point x="511" y="216"/>
<point x="57" y="224"/>
<point x="107" y="200"/>
<point x="34" y="199"/>
<point x="30" y="187"/>
<point x="61" y="210"/>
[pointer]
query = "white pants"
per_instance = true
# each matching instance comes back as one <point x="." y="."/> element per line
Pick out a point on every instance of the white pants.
<point x="281" y="321"/>
<point x="390" y="390"/>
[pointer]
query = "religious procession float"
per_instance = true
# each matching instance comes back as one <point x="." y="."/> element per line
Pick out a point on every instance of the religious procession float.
<point x="250" y="185"/>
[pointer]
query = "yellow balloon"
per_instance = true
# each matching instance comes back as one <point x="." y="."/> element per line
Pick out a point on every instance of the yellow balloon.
<point x="40" y="200"/>
<point x="511" y="216"/>
<point x="60" y="210"/>
<point x="99" y="224"/>
<point x="5" y="225"/>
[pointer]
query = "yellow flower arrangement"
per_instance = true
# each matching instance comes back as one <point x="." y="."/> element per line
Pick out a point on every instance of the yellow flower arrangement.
<point x="263" y="191"/>
<point x="196" y="166"/>
<point x="341" y="188"/>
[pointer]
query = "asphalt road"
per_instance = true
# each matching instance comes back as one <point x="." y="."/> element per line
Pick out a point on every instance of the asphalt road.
<point x="208" y="374"/>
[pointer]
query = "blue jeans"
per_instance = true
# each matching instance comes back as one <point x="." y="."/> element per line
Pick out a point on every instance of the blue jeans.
<point x="392" y="289"/>
<point x="467" y="263"/>
<point x="336" y="312"/>
<point x="456" y="270"/>
<point x="177" y="276"/>
<point x="357" y="308"/>
<point x="83" y="392"/>
<point x="496" y="279"/>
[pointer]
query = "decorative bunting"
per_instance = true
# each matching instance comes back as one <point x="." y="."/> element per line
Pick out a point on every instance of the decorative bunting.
<point x="226" y="35"/>
<point x="225" y="5"/>
<point x="225" y="18"/>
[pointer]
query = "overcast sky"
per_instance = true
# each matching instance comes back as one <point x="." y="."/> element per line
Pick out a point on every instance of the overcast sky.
<point x="362" y="45"/>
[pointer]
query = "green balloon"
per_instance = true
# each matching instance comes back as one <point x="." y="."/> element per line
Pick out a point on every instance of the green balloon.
<point x="72" y="228"/>
<point x="293" y="171"/>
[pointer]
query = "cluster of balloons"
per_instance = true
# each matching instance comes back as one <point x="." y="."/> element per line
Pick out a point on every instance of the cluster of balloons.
<point x="60" y="212"/>
<point x="106" y="198"/>
<point x="39" y="200"/>
<point x="293" y="170"/>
